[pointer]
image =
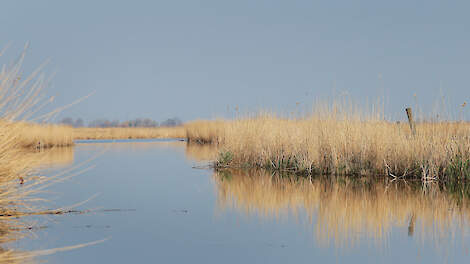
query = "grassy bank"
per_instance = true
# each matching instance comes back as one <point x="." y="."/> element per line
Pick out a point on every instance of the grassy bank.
<point x="341" y="143"/>
<point x="43" y="136"/>
<point x="129" y="132"/>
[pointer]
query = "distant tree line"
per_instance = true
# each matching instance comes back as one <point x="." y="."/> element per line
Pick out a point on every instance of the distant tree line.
<point x="70" y="122"/>
<point x="138" y="122"/>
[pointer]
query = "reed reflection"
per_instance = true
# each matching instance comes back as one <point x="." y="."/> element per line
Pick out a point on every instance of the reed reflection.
<point x="17" y="189"/>
<point x="201" y="152"/>
<point x="52" y="158"/>
<point x="345" y="211"/>
<point x="122" y="146"/>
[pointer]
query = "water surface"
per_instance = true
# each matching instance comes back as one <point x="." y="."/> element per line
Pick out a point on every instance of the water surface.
<point x="170" y="212"/>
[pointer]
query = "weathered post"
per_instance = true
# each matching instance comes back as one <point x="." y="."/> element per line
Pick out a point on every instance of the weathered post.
<point x="411" y="225"/>
<point x="409" y="113"/>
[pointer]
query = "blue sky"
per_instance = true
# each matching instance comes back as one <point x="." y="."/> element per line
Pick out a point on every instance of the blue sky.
<point x="201" y="59"/>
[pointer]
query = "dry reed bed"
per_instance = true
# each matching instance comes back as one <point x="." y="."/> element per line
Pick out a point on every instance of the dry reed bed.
<point x="129" y="133"/>
<point x="41" y="136"/>
<point x="342" y="212"/>
<point x="339" y="144"/>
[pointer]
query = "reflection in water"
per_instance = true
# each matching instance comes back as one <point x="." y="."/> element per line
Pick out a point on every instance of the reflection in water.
<point x="201" y="152"/>
<point x="15" y="197"/>
<point x="344" y="211"/>
<point x="102" y="146"/>
<point x="339" y="212"/>
<point x="52" y="158"/>
<point x="27" y="160"/>
<point x="10" y="257"/>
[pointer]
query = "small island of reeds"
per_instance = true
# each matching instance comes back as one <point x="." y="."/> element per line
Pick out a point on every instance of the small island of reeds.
<point x="338" y="140"/>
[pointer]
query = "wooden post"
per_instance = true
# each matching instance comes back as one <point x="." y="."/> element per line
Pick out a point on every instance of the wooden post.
<point x="409" y="113"/>
<point x="411" y="225"/>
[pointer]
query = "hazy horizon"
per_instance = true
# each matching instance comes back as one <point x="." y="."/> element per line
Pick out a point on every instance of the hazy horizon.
<point x="202" y="60"/>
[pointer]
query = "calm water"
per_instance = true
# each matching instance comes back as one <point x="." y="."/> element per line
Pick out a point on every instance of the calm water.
<point x="171" y="212"/>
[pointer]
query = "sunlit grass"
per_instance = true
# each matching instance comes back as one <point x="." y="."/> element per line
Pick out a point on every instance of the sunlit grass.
<point x="40" y="136"/>
<point x="129" y="133"/>
<point x="340" y="141"/>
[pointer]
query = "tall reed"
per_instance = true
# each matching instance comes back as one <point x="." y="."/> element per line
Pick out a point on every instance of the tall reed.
<point x="341" y="142"/>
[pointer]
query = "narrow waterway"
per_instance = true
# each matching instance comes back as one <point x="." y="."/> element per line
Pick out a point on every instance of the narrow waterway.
<point x="150" y="203"/>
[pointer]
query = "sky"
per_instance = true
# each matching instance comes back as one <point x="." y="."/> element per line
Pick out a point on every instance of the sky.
<point x="204" y="59"/>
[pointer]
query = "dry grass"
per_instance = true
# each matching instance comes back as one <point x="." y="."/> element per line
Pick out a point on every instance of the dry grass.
<point x="204" y="131"/>
<point x="129" y="133"/>
<point x="43" y="135"/>
<point x="342" y="212"/>
<point x="340" y="142"/>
